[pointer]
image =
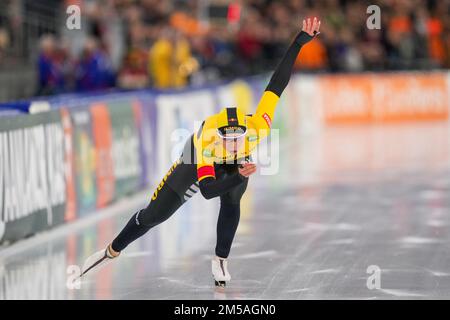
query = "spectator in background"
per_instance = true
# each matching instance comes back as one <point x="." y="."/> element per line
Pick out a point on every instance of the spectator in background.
<point x="400" y="37"/>
<point x="204" y="51"/>
<point x="170" y="60"/>
<point x="51" y="78"/>
<point x="186" y="23"/>
<point x="66" y="64"/>
<point x="372" y="52"/>
<point x="161" y="60"/>
<point x="4" y="42"/>
<point x="446" y="39"/>
<point x="249" y="42"/>
<point x="435" y="32"/>
<point x="184" y="63"/>
<point x="133" y="74"/>
<point x="163" y="44"/>
<point x="220" y="52"/>
<point x="94" y="70"/>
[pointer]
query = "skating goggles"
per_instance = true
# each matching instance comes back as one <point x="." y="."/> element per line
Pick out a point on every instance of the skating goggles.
<point x="232" y="132"/>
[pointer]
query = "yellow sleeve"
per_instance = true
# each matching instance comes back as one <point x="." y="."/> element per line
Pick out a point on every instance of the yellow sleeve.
<point x="204" y="149"/>
<point x="265" y="112"/>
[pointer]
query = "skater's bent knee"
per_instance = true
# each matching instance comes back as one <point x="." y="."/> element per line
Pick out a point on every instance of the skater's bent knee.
<point x="151" y="219"/>
<point x="155" y="214"/>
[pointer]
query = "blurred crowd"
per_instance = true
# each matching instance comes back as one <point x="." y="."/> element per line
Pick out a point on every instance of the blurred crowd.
<point x="169" y="44"/>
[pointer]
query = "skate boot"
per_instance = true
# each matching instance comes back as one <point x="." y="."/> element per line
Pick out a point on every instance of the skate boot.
<point x="98" y="260"/>
<point x="220" y="271"/>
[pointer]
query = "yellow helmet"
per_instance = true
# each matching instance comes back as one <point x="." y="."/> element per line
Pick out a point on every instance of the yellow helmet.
<point x="231" y="121"/>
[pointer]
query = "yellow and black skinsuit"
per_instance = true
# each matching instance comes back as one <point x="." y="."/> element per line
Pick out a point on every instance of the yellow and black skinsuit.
<point x="206" y="166"/>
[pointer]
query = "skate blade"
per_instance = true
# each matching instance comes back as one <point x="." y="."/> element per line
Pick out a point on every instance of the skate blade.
<point x="96" y="264"/>
<point x="220" y="284"/>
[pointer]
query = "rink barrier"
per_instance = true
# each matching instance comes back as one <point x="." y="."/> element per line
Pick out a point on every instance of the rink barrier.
<point x="72" y="154"/>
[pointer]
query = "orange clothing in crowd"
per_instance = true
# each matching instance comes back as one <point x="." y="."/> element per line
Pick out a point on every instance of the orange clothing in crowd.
<point x="312" y="56"/>
<point x="186" y="24"/>
<point x="401" y="24"/>
<point x="436" y="45"/>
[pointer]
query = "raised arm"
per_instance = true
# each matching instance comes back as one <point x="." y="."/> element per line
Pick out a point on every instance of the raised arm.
<point x="282" y="74"/>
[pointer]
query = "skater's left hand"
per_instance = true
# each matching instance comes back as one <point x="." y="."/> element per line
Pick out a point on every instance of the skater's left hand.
<point x="247" y="169"/>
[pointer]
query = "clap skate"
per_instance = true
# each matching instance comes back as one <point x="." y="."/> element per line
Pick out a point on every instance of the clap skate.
<point x="220" y="272"/>
<point x="98" y="260"/>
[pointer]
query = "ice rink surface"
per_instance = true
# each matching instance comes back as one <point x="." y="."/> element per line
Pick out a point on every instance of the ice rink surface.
<point x="346" y="202"/>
